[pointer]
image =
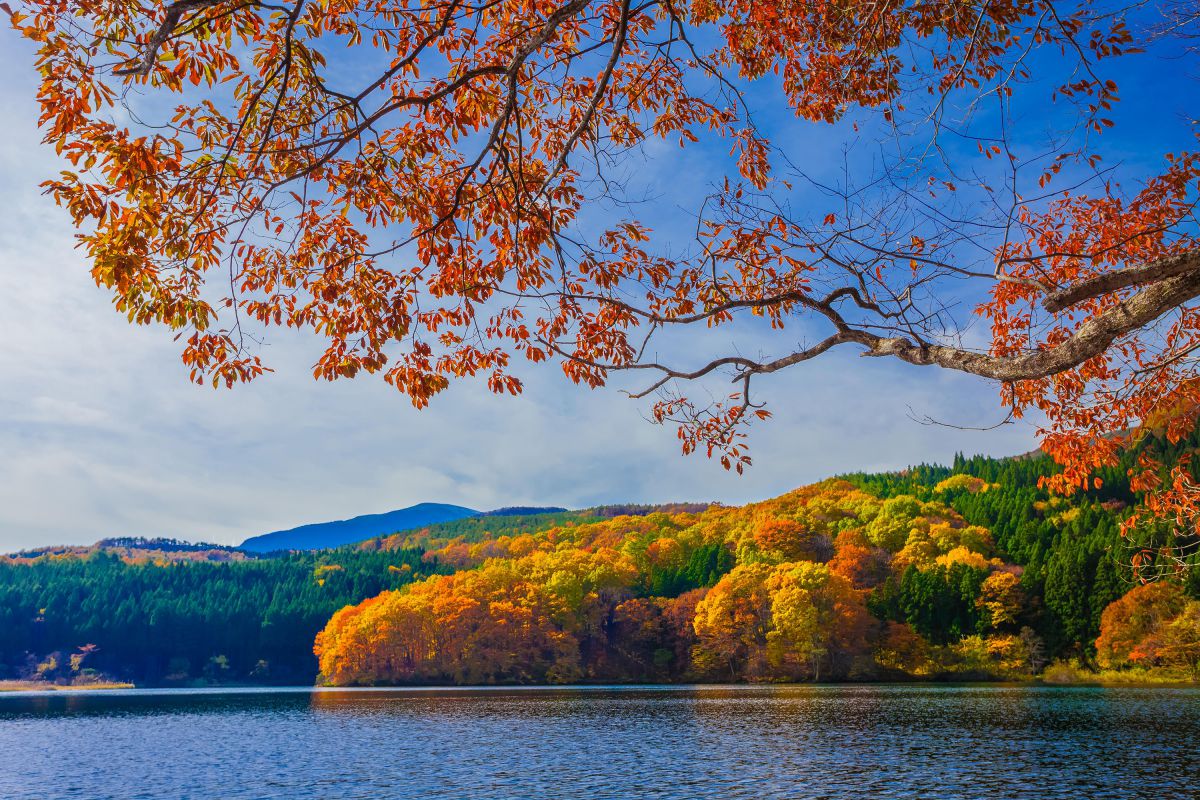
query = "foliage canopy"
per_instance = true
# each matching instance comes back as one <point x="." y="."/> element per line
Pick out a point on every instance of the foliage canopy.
<point x="410" y="180"/>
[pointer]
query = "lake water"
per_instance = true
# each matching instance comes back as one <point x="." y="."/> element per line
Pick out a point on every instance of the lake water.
<point x="862" y="742"/>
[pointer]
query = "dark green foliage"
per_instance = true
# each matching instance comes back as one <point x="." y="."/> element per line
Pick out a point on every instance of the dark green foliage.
<point x="166" y="623"/>
<point x="163" y="545"/>
<point x="939" y="603"/>
<point x="642" y="509"/>
<point x="1074" y="557"/>
<point x="512" y="511"/>
<point x="478" y="529"/>
<point x="704" y="567"/>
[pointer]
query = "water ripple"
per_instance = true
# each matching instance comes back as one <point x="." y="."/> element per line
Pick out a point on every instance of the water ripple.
<point x="605" y="743"/>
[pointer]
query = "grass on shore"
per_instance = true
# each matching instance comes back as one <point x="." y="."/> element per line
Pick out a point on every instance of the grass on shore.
<point x="46" y="686"/>
<point x="1072" y="673"/>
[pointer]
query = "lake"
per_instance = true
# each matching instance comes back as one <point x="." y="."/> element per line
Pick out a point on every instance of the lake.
<point x="862" y="742"/>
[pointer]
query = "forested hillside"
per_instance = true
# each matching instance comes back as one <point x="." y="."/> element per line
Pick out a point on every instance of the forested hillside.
<point x="175" y="622"/>
<point x="966" y="571"/>
<point x="1074" y="559"/>
<point x="153" y="616"/>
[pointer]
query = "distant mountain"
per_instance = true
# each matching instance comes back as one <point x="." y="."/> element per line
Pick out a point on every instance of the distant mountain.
<point x="132" y="548"/>
<point x="334" y="534"/>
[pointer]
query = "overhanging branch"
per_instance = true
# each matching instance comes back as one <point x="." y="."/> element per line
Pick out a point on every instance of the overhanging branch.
<point x="1122" y="279"/>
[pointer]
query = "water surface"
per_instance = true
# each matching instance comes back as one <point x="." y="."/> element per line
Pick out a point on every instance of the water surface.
<point x="685" y="743"/>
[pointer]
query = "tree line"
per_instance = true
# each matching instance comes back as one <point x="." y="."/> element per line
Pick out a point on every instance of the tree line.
<point x="880" y="577"/>
<point x="970" y="570"/>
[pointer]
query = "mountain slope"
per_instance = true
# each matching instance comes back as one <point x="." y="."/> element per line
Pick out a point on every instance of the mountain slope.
<point x="254" y="619"/>
<point x="333" y="534"/>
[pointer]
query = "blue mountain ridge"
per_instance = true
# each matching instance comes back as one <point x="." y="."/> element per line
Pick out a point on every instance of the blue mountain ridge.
<point x="321" y="535"/>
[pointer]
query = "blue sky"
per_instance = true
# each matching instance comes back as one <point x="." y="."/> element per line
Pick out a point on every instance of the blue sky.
<point x="102" y="435"/>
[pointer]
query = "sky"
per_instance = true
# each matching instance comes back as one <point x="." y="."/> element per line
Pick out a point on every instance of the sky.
<point x="102" y="435"/>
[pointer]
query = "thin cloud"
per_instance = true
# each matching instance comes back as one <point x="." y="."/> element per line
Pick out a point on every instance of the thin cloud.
<point x="103" y="435"/>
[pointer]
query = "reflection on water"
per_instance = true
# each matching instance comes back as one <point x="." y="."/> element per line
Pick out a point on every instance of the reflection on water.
<point x="605" y="742"/>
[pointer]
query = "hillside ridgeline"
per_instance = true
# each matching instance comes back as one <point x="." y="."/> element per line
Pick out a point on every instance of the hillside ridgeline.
<point x="963" y="571"/>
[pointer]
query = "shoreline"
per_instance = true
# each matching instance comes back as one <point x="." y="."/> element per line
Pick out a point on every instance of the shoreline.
<point x="44" y="686"/>
<point x="1059" y="675"/>
<point x="38" y="686"/>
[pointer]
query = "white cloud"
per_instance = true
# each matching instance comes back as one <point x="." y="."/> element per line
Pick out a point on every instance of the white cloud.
<point x="102" y="435"/>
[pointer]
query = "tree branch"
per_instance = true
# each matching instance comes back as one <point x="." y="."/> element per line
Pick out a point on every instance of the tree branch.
<point x="170" y="22"/>
<point x="1089" y="340"/>
<point x="1122" y="278"/>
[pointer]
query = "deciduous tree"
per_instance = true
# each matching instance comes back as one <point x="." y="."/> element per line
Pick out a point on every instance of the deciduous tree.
<point x="408" y="180"/>
<point x="1132" y="628"/>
